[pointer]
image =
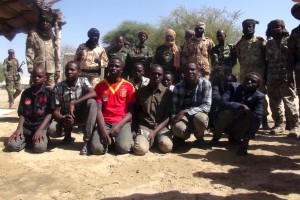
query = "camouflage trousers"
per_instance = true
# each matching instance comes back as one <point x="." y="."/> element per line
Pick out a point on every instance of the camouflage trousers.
<point x="278" y="92"/>
<point x="13" y="86"/>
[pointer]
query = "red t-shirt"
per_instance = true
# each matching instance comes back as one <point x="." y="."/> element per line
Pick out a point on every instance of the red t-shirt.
<point x="114" y="99"/>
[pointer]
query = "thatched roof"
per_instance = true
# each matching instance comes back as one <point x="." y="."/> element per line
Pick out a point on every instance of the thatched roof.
<point x="18" y="16"/>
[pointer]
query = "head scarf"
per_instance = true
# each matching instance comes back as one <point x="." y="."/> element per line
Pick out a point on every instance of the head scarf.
<point x="174" y="48"/>
<point x="274" y="23"/>
<point x="250" y="21"/>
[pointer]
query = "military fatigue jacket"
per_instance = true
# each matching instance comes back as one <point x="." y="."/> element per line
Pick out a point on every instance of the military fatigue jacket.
<point x="198" y="51"/>
<point x="294" y="46"/>
<point x="165" y="57"/>
<point x="10" y="67"/>
<point x="252" y="56"/>
<point x="40" y="52"/>
<point x="122" y="54"/>
<point x="89" y="56"/>
<point x="142" y="54"/>
<point x="277" y="57"/>
<point x="223" y="57"/>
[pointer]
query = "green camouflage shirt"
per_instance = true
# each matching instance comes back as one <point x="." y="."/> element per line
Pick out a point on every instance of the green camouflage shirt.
<point x="252" y="56"/>
<point x="223" y="57"/>
<point x="10" y="67"/>
<point x="165" y="57"/>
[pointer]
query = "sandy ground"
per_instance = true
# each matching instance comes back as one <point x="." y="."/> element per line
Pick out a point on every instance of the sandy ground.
<point x="270" y="171"/>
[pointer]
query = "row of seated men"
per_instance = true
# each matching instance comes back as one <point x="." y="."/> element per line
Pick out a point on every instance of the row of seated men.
<point x="116" y="114"/>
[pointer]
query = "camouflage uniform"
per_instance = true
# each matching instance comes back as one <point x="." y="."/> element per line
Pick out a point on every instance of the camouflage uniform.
<point x="251" y="54"/>
<point x="198" y="51"/>
<point x="12" y="78"/>
<point x="41" y="52"/>
<point x="223" y="58"/>
<point x="142" y="54"/>
<point x="294" y="49"/>
<point x="89" y="68"/>
<point x="165" y="57"/>
<point x="252" y="58"/>
<point x="278" y="88"/>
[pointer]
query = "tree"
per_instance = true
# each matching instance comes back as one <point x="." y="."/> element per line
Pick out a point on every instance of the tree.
<point x="130" y="29"/>
<point x="182" y="19"/>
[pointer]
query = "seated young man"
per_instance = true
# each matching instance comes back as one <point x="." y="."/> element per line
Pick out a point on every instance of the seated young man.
<point x="241" y="112"/>
<point x="152" y="112"/>
<point x="35" y="112"/>
<point x="115" y="97"/>
<point x="74" y="105"/>
<point x="191" y="104"/>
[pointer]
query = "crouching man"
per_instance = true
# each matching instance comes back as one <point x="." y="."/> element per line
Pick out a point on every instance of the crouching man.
<point x="152" y="113"/>
<point x="74" y="105"/>
<point x="241" y="112"/>
<point x="191" y="104"/>
<point x="35" y="112"/>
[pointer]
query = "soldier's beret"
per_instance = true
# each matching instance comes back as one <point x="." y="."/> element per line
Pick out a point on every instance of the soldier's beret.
<point x="250" y="21"/>
<point x="296" y="11"/>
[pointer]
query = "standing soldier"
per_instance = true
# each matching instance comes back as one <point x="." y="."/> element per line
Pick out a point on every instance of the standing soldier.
<point x="168" y="55"/>
<point x="41" y="49"/>
<point x="251" y="53"/>
<point x="223" y="56"/>
<point x="198" y="51"/>
<point x="92" y="58"/>
<point x="141" y="52"/>
<point x="279" y="86"/>
<point x="294" y="50"/>
<point x="121" y="51"/>
<point x="12" y="77"/>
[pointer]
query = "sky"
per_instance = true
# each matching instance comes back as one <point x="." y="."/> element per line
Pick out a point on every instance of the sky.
<point x="106" y="15"/>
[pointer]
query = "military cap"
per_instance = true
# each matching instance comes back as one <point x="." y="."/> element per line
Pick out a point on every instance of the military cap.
<point x="296" y="11"/>
<point x="200" y="25"/>
<point x="250" y="21"/>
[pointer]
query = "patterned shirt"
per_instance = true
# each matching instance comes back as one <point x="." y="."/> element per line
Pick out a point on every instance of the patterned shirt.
<point x="252" y="56"/>
<point x="201" y="100"/>
<point x="223" y="57"/>
<point x="40" y="52"/>
<point x="198" y="51"/>
<point x="35" y="107"/>
<point x="89" y="56"/>
<point x="165" y="57"/>
<point x="277" y="57"/>
<point x="10" y="66"/>
<point x="64" y="94"/>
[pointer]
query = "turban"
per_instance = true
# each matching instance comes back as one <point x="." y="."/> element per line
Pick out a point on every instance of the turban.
<point x="250" y="21"/>
<point x="93" y="31"/>
<point x="175" y="50"/>
<point x="295" y="11"/>
<point x="200" y="25"/>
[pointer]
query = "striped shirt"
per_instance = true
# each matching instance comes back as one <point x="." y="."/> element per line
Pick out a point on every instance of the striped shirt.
<point x="64" y="94"/>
